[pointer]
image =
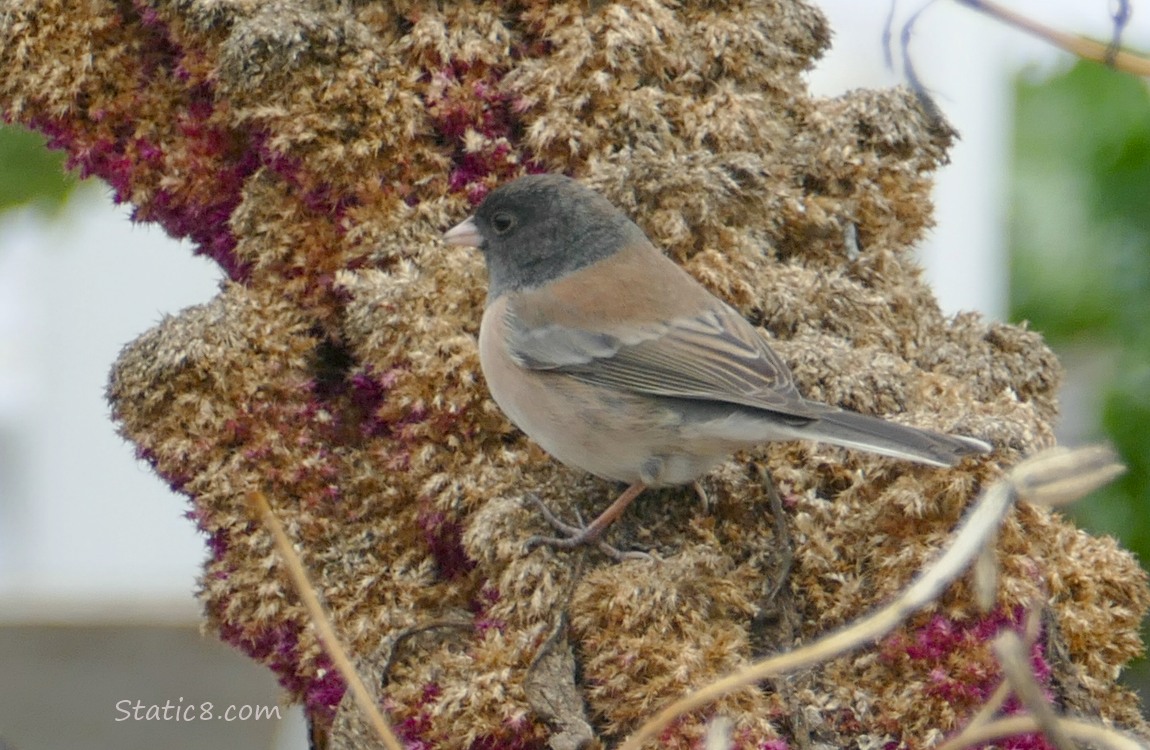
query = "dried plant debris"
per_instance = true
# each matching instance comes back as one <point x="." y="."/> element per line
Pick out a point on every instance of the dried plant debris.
<point x="316" y="149"/>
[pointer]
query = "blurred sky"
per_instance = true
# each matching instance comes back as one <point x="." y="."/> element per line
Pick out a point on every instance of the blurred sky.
<point x="87" y="533"/>
<point x="85" y="530"/>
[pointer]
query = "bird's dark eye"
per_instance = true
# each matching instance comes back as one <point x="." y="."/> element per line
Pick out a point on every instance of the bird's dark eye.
<point x="502" y="222"/>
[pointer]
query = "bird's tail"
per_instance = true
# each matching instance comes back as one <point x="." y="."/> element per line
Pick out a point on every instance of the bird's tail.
<point x="852" y="430"/>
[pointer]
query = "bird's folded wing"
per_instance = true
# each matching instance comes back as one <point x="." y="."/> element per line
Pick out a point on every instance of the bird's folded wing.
<point x="715" y="356"/>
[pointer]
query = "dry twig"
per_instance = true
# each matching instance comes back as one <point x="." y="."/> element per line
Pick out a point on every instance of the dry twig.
<point x="323" y="627"/>
<point x="1049" y="477"/>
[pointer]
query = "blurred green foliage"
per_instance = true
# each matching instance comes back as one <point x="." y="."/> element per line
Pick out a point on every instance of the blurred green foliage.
<point x="29" y="172"/>
<point x="1080" y="265"/>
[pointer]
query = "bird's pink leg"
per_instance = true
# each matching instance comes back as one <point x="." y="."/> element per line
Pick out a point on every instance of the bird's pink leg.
<point x="590" y="534"/>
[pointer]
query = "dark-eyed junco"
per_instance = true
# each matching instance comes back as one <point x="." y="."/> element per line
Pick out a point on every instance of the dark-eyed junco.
<point x="617" y="362"/>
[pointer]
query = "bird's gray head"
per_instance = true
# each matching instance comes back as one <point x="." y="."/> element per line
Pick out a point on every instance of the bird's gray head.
<point x="541" y="227"/>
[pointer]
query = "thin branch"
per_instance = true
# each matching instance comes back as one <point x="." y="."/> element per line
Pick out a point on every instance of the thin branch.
<point x="888" y="35"/>
<point x="1077" y="729"/>
<point x="1121" y="16"/>
<point x="1014" y="657"/>
<point x="1088" y="49"/>
<point x="404" y="635"/>
<point x="912" y="78"/>
<point x="322" y="624"/>
<point x="1040" y="477"/>
<point x="988" y="711"/>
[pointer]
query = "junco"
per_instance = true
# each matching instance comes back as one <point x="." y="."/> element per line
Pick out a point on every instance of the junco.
<point x="617" y="362"/>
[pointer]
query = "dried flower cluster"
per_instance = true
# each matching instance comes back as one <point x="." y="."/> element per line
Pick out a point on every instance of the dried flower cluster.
<point x="316" y="149"/>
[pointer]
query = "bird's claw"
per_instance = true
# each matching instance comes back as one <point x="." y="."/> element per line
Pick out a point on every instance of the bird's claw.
<point x="576" y="536"/>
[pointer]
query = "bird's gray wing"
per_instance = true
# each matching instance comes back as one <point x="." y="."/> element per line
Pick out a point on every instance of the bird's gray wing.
<point x="715" y="356"/>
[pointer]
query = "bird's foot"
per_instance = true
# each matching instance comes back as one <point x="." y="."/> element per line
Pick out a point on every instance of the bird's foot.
<point x="576" y="536"/>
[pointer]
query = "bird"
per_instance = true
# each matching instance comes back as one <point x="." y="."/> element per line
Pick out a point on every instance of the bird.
<point x="617" y="362"/>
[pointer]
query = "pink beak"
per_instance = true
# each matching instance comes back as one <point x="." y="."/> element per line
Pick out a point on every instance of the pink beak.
<point x="465" y="233"/>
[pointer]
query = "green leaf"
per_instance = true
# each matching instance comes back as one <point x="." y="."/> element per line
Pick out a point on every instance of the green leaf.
<point x="29" y="172"/>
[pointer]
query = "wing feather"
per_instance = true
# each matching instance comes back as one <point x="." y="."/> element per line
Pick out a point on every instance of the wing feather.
<point x="715" y="356"/>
